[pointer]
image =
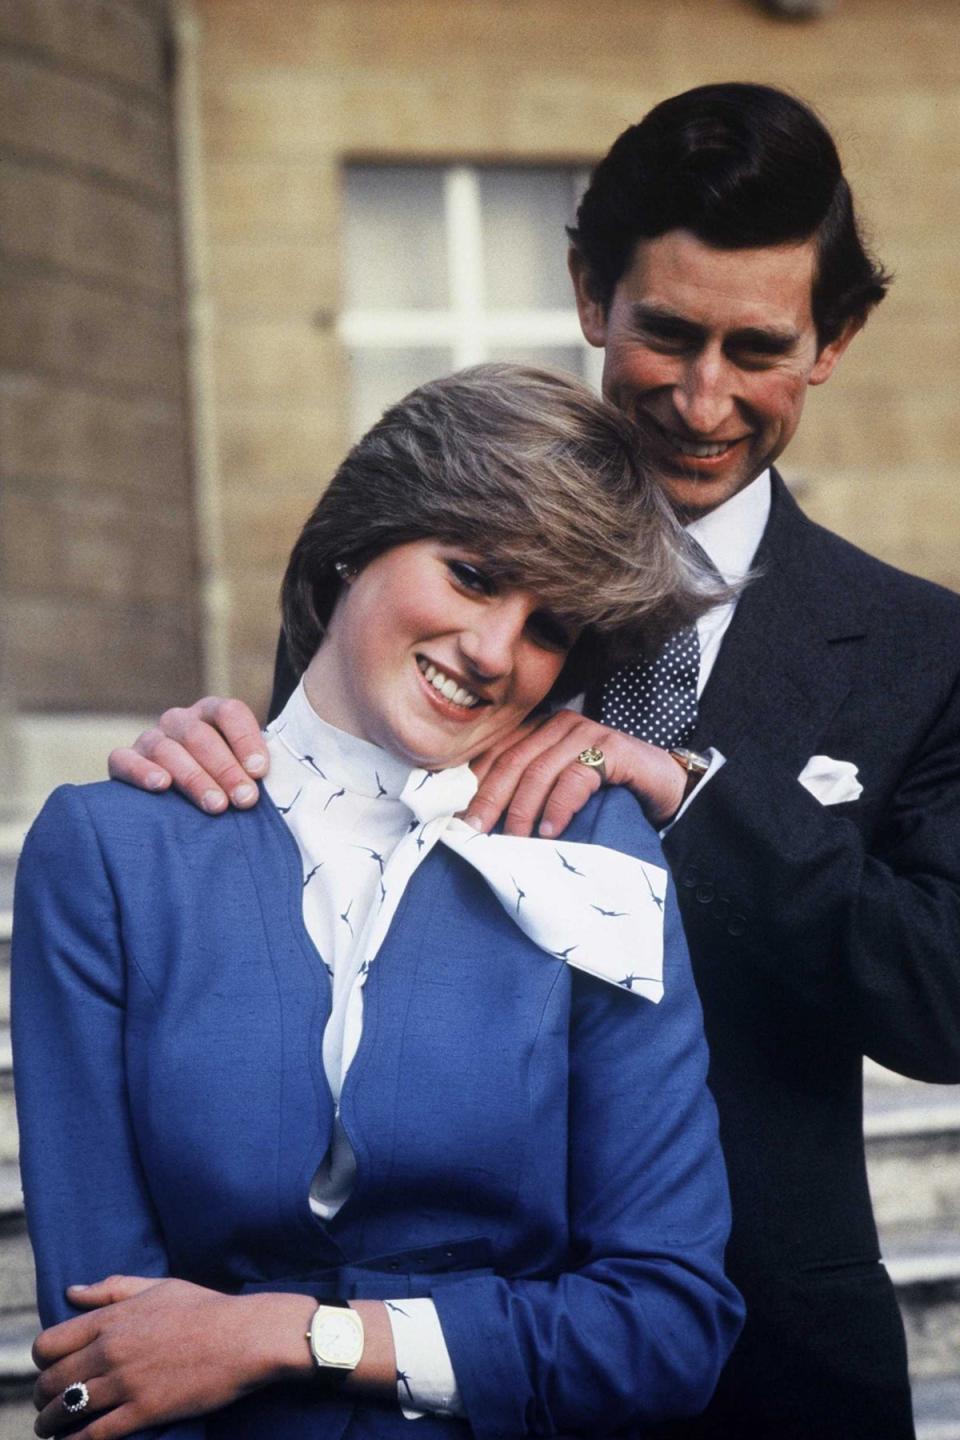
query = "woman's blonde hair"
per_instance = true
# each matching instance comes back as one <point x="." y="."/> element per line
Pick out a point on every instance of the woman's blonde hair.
<point x="543" y="481"/>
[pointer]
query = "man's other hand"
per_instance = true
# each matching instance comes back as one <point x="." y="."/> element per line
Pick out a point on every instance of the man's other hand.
<point x="208" y="750"/>
<point x="534" y="776"/>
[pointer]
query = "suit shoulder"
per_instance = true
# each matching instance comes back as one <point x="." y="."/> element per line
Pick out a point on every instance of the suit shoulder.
<point x="885" y="585"/>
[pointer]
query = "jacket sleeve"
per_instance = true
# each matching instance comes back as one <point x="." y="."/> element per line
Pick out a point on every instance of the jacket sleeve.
<point x="638" y="1327"/>
<point x="867" y="931"/>
<point x="88" y="1210"/>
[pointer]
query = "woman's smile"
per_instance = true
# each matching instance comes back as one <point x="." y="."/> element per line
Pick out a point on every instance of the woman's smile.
<point x="446" y="689"/>
<point x="427" y="655"/>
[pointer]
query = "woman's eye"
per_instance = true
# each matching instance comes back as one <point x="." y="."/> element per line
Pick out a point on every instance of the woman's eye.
<point x="550" y="632"/>
<point x="468" y="577"/>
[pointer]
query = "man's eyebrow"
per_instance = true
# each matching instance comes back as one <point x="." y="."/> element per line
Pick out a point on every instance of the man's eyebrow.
<point x="659" y="318"/>
<point x="772" y="340"/>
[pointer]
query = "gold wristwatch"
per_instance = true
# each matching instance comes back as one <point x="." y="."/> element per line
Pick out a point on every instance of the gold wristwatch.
<point x="336" y="1340"/>
<point x="696" y="766"/>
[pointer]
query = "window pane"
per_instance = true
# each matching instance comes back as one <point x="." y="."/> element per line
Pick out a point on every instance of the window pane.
<point x="524" y="244"/>
<point x="394" y="247"/>
<point x="380" y="377"/>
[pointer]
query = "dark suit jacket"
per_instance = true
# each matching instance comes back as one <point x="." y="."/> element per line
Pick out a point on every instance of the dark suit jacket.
<point x="820" y="934"/>
<point x="536" y="1149"/>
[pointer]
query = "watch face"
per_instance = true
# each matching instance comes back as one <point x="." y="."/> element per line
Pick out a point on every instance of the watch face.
<point x="336" y="1337"/>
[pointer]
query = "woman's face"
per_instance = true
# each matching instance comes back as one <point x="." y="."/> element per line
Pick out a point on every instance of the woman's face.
<point x="428" y="657"/>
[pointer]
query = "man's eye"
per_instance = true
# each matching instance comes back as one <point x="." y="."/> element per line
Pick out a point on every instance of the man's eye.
<point x="667" y="342"/>
<point x="469" y="577"/>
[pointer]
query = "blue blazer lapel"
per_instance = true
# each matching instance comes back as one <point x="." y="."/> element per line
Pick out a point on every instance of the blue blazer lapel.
<point x="784" y="666"/>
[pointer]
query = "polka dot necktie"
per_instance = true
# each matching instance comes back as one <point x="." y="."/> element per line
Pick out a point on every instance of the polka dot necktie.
<point x="655" y="700"/>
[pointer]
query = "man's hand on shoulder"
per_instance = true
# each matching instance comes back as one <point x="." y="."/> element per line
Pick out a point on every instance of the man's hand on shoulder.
<point x="535" y="776"/>
<point x="208" y="750"/>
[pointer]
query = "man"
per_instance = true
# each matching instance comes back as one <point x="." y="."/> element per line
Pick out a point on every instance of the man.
<point x="716" y="259"/>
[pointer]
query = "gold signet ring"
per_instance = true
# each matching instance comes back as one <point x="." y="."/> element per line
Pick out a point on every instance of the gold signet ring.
<point x="593" y="759"/>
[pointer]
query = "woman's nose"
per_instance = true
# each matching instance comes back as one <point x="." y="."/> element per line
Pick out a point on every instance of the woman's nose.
<point x="490" y="642"/>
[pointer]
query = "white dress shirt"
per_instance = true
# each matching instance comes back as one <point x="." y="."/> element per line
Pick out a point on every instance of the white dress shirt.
<point x="730" y="536"/>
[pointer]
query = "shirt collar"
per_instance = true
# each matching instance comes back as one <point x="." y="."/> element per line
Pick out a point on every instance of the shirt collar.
<point x="334" y="755"/>
<point x="366" y="769"/>
<point x="731" y="534"/>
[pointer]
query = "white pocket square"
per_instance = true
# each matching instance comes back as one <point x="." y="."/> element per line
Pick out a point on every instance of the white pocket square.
<point x="830" y="781"/>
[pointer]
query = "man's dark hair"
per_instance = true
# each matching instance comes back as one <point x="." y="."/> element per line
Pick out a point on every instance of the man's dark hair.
<point x="738" y="166"/>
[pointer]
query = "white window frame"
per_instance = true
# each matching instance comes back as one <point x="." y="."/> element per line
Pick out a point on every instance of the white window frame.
<point x="466" y="327"/>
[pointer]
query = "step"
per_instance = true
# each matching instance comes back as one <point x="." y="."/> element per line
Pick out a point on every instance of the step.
<point x="912" y="1134"/>
<point x="925" y="1268"/>
<point x="17" y="1274"/>
<point x="18" y="1330"/>
<point x="936" y="1408"/>
<point x="17" y="1413"/>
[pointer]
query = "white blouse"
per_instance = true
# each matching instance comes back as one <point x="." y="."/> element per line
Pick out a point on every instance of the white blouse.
<point x="363" y="822"/>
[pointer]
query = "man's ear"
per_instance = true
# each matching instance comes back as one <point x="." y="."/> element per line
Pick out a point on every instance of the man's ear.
<point x="592" y="312"/>
<point x="828" y="357"/>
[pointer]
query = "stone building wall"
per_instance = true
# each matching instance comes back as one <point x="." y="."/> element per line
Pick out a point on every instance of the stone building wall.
<point x="99" y="569"/>
<point x="288" y="92"/>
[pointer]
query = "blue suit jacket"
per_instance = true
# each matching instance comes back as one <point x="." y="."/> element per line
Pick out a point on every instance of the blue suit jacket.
<point x="535" y="1149"/>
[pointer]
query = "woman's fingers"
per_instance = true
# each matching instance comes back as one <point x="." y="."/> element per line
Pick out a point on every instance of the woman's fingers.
<point x="82" y="1367"/>
<point x="208" y="750"/>
<point x="107" y="1414"/>
<point x="110" y="1290"/>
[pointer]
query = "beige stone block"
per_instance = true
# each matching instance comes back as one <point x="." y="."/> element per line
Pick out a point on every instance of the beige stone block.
<point x="259" y="531"/>
<point x="251" y="198"/>
<point x="88" y="229"/>
<point x="267" y="114"/>
<point x="58" y="541"/>
<point x="122" y="41"/>
<point x="304" y="34"/>
<point x="926" y="271"/>
<point x="275" y="278"/>
<point x="100" y="655"/>
<point x="903" y="350"/>
<point x="910" y="518"/>
<point x="63" y="329"/>
<point x="59" y="116"/>
<point x="290" y="455"/>
<point x="876" y="428"/>
<point x="275" y="363"/>
<point x="50" y="430"/>
<point x="253" y="630"/>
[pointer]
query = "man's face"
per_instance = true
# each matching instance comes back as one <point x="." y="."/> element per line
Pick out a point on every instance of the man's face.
<point x="710" y="352"/>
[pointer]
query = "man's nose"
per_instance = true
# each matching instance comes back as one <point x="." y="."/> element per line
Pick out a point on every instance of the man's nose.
<point x="703" y="397"/>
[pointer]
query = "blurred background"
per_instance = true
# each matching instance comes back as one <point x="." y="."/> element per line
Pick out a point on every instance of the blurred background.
<point x="232" y="230"/>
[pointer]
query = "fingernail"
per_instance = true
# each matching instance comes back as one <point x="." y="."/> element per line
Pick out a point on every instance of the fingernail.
<point x="156" y="780"/>
<point x="547" y="830"/>
<point x="78" y="1287"/>
<point x="473" y="821"/>
<point x="213" y="801"/>
<point x="243" y="794"/>
<point x="255" y="764"/>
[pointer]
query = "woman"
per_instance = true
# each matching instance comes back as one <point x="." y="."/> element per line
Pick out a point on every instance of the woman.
<point x="335" y="1049"/>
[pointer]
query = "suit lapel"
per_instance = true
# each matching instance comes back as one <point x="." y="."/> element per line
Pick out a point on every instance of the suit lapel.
<point x="784" y="666"/>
